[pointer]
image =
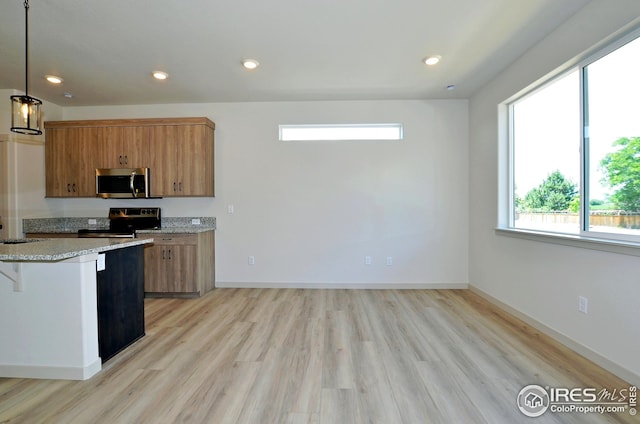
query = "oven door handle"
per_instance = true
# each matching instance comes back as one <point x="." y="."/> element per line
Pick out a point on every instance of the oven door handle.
<point x="131" y="185"/>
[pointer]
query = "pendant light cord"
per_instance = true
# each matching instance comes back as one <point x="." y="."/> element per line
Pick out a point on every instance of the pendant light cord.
<point x="26" y="48"/>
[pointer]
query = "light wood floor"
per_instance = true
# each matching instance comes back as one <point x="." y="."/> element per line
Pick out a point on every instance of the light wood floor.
<point x="317" y="356"/>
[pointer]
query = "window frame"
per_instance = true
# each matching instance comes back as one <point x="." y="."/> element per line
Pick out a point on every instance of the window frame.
<point x="598" y="240"/>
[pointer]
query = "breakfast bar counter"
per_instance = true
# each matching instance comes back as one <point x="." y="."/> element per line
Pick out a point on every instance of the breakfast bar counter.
<point x="47" y="250"/>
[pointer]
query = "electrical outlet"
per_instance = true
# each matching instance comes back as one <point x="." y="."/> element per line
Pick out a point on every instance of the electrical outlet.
<point x="367" y="260"/>
<point x="230" y="209"/>
<point x="195" y="221"/>
<point x="389" y="261"/>
<point x="252" y="260"/>
<point x="93" y="221"/>
<point x="583" y="304"/>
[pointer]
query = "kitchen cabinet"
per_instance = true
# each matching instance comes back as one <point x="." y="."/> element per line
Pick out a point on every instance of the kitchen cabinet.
<point x="123" y="147"/>
<point x="182" y="160"/>
<point x="69" y="162"/>
<point x="179" y="152"/>
<point x="179" y="265"/>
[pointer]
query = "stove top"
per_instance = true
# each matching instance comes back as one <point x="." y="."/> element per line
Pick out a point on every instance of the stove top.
<point x="123" y="222"/>
<point x="131" y="219"/>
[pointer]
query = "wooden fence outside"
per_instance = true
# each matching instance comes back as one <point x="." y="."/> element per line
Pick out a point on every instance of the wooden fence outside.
<point x="610" y="219"/>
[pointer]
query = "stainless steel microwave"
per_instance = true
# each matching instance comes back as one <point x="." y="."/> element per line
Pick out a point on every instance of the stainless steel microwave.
<point x="123" y="183"/>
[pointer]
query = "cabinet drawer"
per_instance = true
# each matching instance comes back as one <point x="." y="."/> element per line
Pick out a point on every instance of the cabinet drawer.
<point x="175" y="239"/>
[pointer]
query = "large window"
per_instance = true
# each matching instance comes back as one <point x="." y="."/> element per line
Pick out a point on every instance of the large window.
<point x="575" y="149"/>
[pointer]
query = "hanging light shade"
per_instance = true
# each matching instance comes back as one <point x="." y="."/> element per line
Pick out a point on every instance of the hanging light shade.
<point x="25" y="110"/>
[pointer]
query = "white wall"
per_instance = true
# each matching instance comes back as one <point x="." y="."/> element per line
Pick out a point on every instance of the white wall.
<point x="543" y="281"/>
<point x="310" y="212"/>
<point x="21" y="169"/>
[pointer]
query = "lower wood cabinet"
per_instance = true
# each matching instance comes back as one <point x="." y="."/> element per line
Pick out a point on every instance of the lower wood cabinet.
<point x="179" y="265"/>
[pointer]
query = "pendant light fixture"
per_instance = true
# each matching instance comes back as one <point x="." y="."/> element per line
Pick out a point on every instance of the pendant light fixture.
<point x="25" y="110"/>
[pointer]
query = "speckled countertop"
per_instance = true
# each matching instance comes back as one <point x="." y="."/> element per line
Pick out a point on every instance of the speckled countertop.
<point x="170" y="225"/>
<point x="49" y="250"/>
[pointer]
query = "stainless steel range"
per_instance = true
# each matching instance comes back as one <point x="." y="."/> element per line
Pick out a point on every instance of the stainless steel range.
<point x="123" y="223"/>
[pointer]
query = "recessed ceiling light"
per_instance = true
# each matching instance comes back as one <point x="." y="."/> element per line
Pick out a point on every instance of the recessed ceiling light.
<point x="159" y="75"/>
<point x="53" y="79"/>
<point x="432" y="60"/>
<point x="250" y="63"/>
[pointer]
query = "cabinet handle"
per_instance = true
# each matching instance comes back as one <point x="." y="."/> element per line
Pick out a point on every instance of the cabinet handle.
<point x="120" y="160"/>
<point x="74" y="187"/>
<point x="180" y="186"/>
<point x="68" y="188"/>
<point x="126" y="160"/>
<point x="174" y="186"/>
<point x="169" y="254"/>
<point x="162" y="254"/>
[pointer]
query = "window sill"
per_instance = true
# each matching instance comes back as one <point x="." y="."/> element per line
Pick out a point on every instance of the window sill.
<point x="594" y="243"/>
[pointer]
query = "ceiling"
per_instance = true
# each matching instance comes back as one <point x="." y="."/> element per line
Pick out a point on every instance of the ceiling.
<point x="308" y="49"/>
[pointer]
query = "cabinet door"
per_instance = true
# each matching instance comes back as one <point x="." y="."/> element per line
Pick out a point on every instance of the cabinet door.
<point x="154" y="269"/>
<point x="123" y="147"/>
<point x="135" y="147"/>
<point x="57" y="163"/>
<point x="163" y="159"/>
<point x="181" y="262"/>
<point x="109" y="149"/>
<point x="69" y="162"/>
<point x="86" y="162"/>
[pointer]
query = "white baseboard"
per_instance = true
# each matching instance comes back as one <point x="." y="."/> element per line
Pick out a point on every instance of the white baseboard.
<point x="579" y="348"/>
<point x="54" y="373"/>
<point x="376" y="286"/>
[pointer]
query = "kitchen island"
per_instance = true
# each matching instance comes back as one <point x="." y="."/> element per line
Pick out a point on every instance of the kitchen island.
<point x="49" y="299"/>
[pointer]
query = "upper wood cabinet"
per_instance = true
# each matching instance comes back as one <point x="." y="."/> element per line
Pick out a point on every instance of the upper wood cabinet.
<point x="181" y="160"/>
<point x="69" y="162"/>
<point x="179" y="152"/>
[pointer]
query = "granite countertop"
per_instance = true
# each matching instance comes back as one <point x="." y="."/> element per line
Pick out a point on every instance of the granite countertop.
<point x="50" y="250"/>
<point x="170" y="225"/>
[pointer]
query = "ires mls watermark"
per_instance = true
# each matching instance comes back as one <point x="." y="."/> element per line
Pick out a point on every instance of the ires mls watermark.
<point x="534" y="400"/>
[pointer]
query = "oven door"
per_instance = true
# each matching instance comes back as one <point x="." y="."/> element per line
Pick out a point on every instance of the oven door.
<point x="122" y="183"/>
